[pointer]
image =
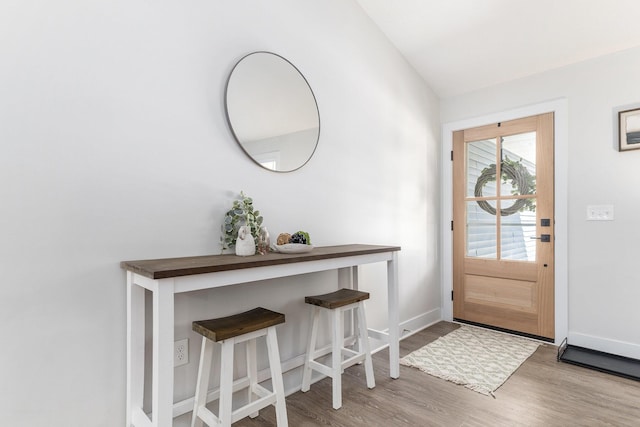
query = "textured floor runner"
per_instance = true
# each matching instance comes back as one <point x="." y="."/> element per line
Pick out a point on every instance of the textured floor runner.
<point x="480" y="359"/>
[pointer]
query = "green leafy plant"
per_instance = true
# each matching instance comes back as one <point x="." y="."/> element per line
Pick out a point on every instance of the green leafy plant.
<point x="241" y="213"/>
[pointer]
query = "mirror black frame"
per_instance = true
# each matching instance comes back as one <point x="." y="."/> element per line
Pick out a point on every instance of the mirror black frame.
<point x="228" y="118"/>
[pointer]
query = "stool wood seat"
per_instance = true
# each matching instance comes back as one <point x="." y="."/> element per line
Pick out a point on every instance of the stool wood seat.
<point x="229" y="331"/>
<point x="238" y="324"/>
<point x="336" y="304"/>
<point x="337" y="299"/>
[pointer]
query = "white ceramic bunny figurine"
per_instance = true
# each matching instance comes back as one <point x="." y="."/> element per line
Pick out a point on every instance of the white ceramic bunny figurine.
<point x="245" y="244"/>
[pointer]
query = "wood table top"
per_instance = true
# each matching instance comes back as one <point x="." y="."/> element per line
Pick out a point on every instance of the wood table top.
<point x="185" y="266"/>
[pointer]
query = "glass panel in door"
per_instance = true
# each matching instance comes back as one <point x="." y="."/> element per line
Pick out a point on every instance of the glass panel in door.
<point x="517" y="235"/>
<point x="480" y="155"/>
<point x="481" y="230"/>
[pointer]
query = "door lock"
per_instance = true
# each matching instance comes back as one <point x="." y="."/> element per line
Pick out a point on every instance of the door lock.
<point x="544" y="237"/>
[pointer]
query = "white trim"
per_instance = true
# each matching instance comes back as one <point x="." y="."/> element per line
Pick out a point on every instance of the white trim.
<point x="560" y="108"/>
<point x="420" y="322"/>
<point x="408" y="328"/>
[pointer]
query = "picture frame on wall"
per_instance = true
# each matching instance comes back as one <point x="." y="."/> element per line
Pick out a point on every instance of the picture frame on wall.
<point x="629" y="130"/>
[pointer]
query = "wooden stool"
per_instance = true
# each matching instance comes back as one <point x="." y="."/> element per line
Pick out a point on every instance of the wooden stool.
<point x="336" y="303"/>
<point x="230" y="331"/>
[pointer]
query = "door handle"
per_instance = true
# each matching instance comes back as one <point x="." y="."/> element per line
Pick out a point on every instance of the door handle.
<point x="543" y="237"/>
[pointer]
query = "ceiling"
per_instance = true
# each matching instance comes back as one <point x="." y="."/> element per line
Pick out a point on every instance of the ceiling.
<point x="460" y="46"/>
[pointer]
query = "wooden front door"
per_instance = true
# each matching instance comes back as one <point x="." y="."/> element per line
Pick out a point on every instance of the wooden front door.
<point x="503" y="239"/>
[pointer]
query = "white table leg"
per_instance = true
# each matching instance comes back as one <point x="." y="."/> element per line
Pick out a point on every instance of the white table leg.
<point x="352" y="317"/>
<point x="394" y="316"/>
<point x="345" y="278"/>
<point x="348" y="278"/>
<point x="135" y="347"/>
<point x="162" y="370"/>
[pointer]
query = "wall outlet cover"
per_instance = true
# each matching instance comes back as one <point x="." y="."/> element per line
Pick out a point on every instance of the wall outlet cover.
<point x="181" y="352"/>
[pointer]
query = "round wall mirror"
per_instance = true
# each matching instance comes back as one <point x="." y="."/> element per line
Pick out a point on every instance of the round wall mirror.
<point x="272" y="112"/>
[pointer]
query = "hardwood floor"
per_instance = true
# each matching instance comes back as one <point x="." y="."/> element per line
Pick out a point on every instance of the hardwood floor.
<point x="542" y="392"/>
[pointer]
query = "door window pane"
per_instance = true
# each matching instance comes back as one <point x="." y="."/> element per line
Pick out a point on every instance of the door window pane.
<point x="516" y="232"/>
<point x="518" y="164"/>
<point x="480" y="156"/>
<point x="481" y="230"/>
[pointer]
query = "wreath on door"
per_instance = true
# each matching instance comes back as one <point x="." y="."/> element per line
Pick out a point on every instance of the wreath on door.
<point x="522" y="181"/>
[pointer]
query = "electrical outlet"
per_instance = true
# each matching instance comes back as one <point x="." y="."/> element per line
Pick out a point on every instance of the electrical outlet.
<point x="181" y="352"/>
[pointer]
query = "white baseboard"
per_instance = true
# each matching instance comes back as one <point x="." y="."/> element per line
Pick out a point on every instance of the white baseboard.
<point x="420" y="322"/>
<point x="621" y="348"/>
<point x="410" y="327"/>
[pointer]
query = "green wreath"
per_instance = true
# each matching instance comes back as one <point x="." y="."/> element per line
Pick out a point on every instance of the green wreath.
<point x="523" y="182"/>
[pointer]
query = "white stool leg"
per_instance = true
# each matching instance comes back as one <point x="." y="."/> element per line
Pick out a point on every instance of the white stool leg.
<point x="311" y="349"/>
<point x="276" y="377"/>
<point x="252" y="372"/>
<point x="225" y="407"/>
<point x="202" y="385"/>
<point x="336" y="357"/>
<point x="363" y="346"/>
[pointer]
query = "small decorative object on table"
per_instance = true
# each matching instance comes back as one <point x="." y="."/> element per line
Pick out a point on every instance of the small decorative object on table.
<point x="298" y="242"/>
<point x="264" y="242"/>
<point x="245" y="245"/>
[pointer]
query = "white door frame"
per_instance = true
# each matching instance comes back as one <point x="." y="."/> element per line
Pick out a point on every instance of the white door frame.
<point x="561" y="154"/>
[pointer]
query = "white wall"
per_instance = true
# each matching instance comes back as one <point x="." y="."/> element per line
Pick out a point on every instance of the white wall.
<point x="115" y="147"/>
<point x="602" y="256"/>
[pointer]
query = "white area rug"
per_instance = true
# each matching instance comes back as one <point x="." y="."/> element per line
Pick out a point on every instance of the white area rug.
<point x="480" y="359"/>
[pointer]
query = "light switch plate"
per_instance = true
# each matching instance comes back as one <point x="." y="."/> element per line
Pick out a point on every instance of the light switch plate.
<point x="600" y="213"/>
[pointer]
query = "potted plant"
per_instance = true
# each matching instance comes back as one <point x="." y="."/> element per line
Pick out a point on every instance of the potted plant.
<point x="241" y="213"/>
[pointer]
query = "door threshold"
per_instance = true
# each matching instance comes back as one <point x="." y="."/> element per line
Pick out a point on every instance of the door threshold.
<point x="508" y="331"/>
<point x="600" y="361"/>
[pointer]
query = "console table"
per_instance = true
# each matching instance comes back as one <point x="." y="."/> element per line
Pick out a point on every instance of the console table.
<point x="170" y="276"/>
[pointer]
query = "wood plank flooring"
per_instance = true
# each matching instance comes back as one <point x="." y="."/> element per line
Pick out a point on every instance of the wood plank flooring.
<point x="542" y="392"/>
